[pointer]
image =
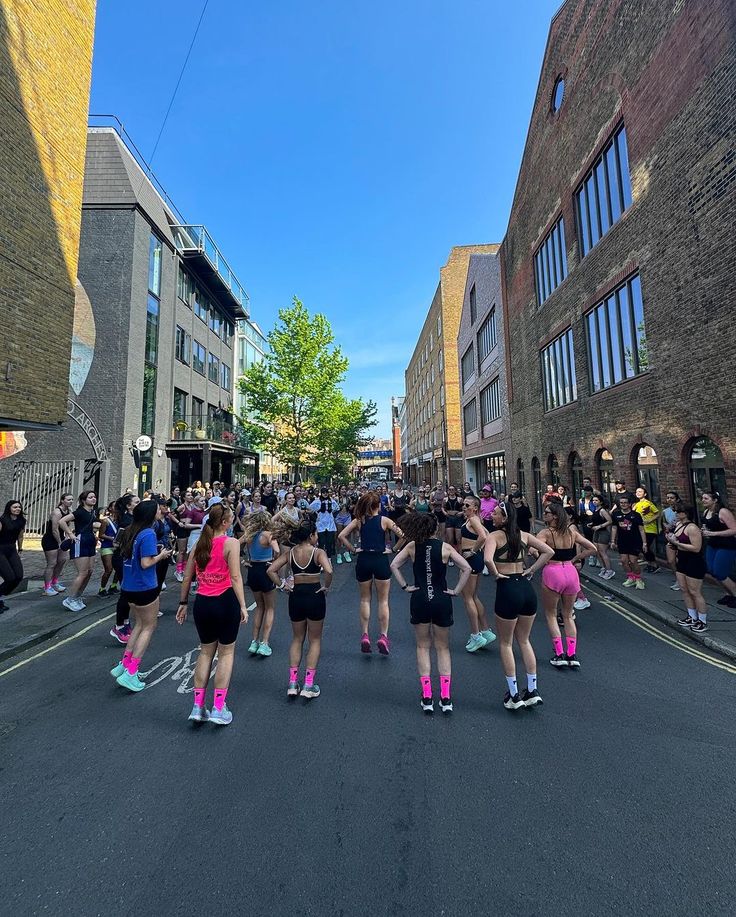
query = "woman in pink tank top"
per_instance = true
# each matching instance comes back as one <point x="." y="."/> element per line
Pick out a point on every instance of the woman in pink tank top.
<point x="219" y="610"/>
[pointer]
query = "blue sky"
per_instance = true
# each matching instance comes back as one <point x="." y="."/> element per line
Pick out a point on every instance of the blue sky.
<point x="336" y="151"/>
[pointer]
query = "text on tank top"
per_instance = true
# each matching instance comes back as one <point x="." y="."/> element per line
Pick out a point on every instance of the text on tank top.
<point x="430" y="572"/>
<point x="215" y="578"/>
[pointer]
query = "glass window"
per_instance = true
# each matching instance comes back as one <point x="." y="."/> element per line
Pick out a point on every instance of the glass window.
<point x="487" y="337"/>
<point x="558" y="372"/>
<point x="148" y="418"/>
<point x="180" y="404"/>
<point x="473" y="305"/>
<point x="152" y="316"/>
<point x="197" y="411"/>
<point x="550" y="262"/>
<point x="490" y="403"/>
<point x="199" y="355"/>
<point x="215" y="320"/>
<point x="183" y="347"/>
<point x="225" y="382"/>
<point x="617" y="345"/>
<point x="213" y="369"/>
<point x="604" y="193"/>
<point x="184" y="287"/>
<point x="201" y="305"/>
<point x="467" y="367"/>
<point x="470" y="417"/>
<point x="558" y="94"/>
<point x="155" y="248"/>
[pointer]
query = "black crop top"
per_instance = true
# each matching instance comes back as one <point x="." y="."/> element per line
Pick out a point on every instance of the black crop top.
<point x="501" y="554"/>
<point x="563" y="554"/>
<point x="466" y="533"/>
<point x="311" y="568"/>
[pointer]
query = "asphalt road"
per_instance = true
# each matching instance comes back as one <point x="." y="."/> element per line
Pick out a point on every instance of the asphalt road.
<point x="614" y="797"/>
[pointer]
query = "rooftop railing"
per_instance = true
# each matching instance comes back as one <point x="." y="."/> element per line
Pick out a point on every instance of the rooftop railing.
<point x="191" y="239"/>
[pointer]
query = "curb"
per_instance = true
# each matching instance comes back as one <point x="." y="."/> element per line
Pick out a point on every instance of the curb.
<point x="712" y="643"/>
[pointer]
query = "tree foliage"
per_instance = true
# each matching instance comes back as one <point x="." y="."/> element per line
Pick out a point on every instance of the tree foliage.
<point x="296" y="409"/>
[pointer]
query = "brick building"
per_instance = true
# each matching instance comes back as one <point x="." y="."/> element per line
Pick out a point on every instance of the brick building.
<point x="431" y="379"/>
<point x="45" y="66"/>
<point x="481" y="350"/>
<point x="618" y="263"/>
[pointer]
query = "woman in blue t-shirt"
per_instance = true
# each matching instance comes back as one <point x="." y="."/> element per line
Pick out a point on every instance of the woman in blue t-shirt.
<point x="140" y="553"/>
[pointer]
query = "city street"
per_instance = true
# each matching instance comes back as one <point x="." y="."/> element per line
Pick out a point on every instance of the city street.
<point x="614" y="797"/>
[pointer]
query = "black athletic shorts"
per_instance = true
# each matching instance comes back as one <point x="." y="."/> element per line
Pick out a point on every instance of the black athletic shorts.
<point x="306" y="604"/>
<point x="475" y="559"/>
<point x="453" y="522"/>
<point x="440" y="516"/>
<point x="142" y="598"/>
<point x="217" y="617"/>
<point x="258" y="579"/>
<point x="629" y="545"/>
<point x="438" y="611"/>
<point x="372" y="565"/>
<point x="515" y="596"/>
<point x="49" y="543"/>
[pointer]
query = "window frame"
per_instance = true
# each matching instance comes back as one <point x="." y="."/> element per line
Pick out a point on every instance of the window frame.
<point x="621" y="313"/>
<point x="198" y="344"/>
<point x="467" y="381"/>
<point x="490" y="323"/>
<point x="493" y="400"/>
<point x="466" y="429"/>
<point x="213" y="361"/>
<point x="558" y="372"/>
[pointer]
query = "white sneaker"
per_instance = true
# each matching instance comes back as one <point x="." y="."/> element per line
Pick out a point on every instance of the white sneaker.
<point x="591" y="561"/>
<point x="73" y="604"/>
<point x="163" y="587"/>
<point x="581" y="604"/>
<point x="179" y="576"/>
<point x="49" y="590"/>
<point x="675" y="587"/>
<point x="59" y="587"/>
<point x="485" y="571"/>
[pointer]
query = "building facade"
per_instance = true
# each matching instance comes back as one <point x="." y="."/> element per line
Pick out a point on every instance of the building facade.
<point x="150" y="395"/>
<point x="618" y="263"/>
<point x="45" y="67"/>
<point x="397" y="403"/>
<point x="481" y="349"/>
<point x="432" y="393"/>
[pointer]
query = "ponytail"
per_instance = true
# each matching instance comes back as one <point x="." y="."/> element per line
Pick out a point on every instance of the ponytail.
<point x="203" y="548"/>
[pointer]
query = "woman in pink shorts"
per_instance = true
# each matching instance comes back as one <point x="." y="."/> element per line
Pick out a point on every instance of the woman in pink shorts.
<point x="560" y="580"/>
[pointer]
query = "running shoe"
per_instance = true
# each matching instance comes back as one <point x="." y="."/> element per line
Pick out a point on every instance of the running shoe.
<point x="179" y="576"/>
<point x="628" y="582"/>
<point x="602" y="572"/>
<point x="609" y="574"/>
<point x="488" y="636"/>
<point x="339" y="558"/>
<point x="451" y="563"/>
<point x="73" y="604"/>
<point x="640" y="584"/>
<point x="113" y="590"/>
<point x="264" y="650"/>
<point x="427" y="704"/>
<point x="559" y="661"/>
<point x="60" y="587"/>
<point x="560" y="619"/>
<point x="120" y="634"/>
<point x="687" y="621"/>
<point x="531" y="698"/>
<point x="445" y="705"/>
<point x="49" y="590"/>
<point x="573" y="662"/>
<point x="164" y="587"/>
<point x="199" y="714"/>
<point x="117" y="670"/>
<point x="310" y="691"/>
<point x="221" y="717"/>
<point x="475" y="642"/>
<point x="581" y="604"/>
<point x="591" y="561"/>
<point x="348" y="557"/>
<point x="641" y="562"/>
<point x="512" y="703"/>
<point x="365" y="644"/>
<point x="675" y="587"/>
<point x="131" y="682"/>
<point x="485" y="571"/>
<point x="253" y="648"/>
<point x="728" y="600"/>
<point x="697" y="627"/>
<point x="383" y="645"/>
<point x="293" y="689"/>
<point x="102" y="592"/>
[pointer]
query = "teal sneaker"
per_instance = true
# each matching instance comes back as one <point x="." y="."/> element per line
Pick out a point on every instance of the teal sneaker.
<point x="253" y="648"/>
<point x="199" y="714"/>
<point x="221" y="717"/>
<point x="488" y="636"/>
<point x="264" y="649"/>
<point x="118" y="670"/>
<point x="339" y="558"/>
<point x="131" y="682"/>
<point x="348" y="557"/>
<point x="310" y="691"/>
<point x="475" y="642"/>
<point x="293" y="689"/>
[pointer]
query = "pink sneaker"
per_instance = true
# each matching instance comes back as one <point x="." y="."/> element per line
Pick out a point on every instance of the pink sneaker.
<point x="122" y="635"/>
<point x="383" y="645"/>
<point x="365" y="644"/>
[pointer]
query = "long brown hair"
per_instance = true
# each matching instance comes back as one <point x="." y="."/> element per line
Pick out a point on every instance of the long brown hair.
<point x="255" y="523"/>
<point x="418" y="527"/>
<point x="563" y="520"/>
<point x="366" y="505"/>
<point x="203" y="549"/>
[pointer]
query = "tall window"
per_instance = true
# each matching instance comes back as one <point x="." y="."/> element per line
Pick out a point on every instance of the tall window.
<point x="183" y="348"/>
<point x="155" y="248"/>
<point x="184" y="286"/>
<point x="213" y="369"/>
<point x="617" y="344"/>
<point x="550" y="261"/>
<point x="470" y="417"/>
<point x="604" y="193"/>
<point x="150" y="352"/>
<point x="558" y="372"/>
<point x="467" y="367"/>
<point x="487" y="336"/>
<point x="473" y="305"/>
<point x="215" y="320"/>
<point x="180" y="404"/>
<point x="197" y="411"/>
<point x="201" y="305"/>
<point x="490" y="403"/>
<point x="199" y="354"/>
<point x="225" y="380"/>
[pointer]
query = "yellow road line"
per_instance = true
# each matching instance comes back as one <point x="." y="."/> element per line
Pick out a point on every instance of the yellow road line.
<point x="56" y="646"/>
<point x="666" y="638"/>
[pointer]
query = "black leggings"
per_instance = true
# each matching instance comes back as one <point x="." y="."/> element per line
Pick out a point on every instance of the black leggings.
<point x="122" y="609"/>
<point x="11" y="569"/>
<point x="326" y="541"/>
<point x="649" y="549"/>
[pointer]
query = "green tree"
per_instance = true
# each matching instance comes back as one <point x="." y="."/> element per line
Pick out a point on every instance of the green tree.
<point x="343" y="433"/>
<point x="291" y="394"/>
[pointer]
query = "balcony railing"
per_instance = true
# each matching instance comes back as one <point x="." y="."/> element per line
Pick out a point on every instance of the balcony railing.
<point x="213" y="430"/>
<point x="191" y="239"/>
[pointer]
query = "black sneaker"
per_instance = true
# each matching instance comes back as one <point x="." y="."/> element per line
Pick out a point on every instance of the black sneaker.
<point x="560" y="620"/>
<point x="729" y="600"/>
<point x="427" y="705"/>
<point x="531" y="698"/>
<point x="559" y="661"/>
<point x="687" y="621"/>
<point x="512" y="703"/>
<point x="697" y="627"/>
<point x="573" y="661"/>
<point x="445" y="705"/>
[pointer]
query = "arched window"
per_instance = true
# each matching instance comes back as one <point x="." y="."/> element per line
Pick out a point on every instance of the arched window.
<point x="558" y="94"/>
<point x="575" y="470"/>
<point x="604" y="467"/>
<point x="553" y="470"/>
<point x="520" y="476"/>
<point x="647" y="471"/>
<point x="705" y="469"/>
<point x="537" y="484"/>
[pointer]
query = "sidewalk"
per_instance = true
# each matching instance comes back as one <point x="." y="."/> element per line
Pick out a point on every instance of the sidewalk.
<point x="659" y="601"/>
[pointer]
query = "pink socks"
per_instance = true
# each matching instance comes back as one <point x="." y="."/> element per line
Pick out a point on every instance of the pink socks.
<point x="426" y="683"/>
<point x="557" y="645"/>
<point x="220" y="695"/>
<point x="180" y="568"/>
<point x="294" y="673"/>
<point x="445" y="686"/>
<point x="199" y="696"/>
<point x="572" y="642"/>
<point x="309" y="678"/>
<point x="133" y="664"/>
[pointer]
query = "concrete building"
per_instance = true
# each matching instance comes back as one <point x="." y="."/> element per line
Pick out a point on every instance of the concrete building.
<point x="618" y="262"/>
<point x="481" y="350"/>
<point x="432" y="393"/>
<point x="45" y="66"/>
<point x="397" y="403"/>
<point x="155" y="309"/>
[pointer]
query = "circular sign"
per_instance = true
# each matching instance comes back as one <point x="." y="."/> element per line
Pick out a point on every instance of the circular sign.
<point x="143" y="443"/>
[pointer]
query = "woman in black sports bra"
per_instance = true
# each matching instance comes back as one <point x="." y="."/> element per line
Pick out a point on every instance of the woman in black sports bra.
<point x="516" y="600"/>
<point x="307" y="604"/>
<point x="454" y="513"/>
<point x="472" y="538"/>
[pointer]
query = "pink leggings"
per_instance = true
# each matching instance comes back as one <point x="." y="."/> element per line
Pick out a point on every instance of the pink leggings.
<point x="561" y="578"/>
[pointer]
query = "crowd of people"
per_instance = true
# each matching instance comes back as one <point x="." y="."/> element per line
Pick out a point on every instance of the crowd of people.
<point x="287" y="537"/>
